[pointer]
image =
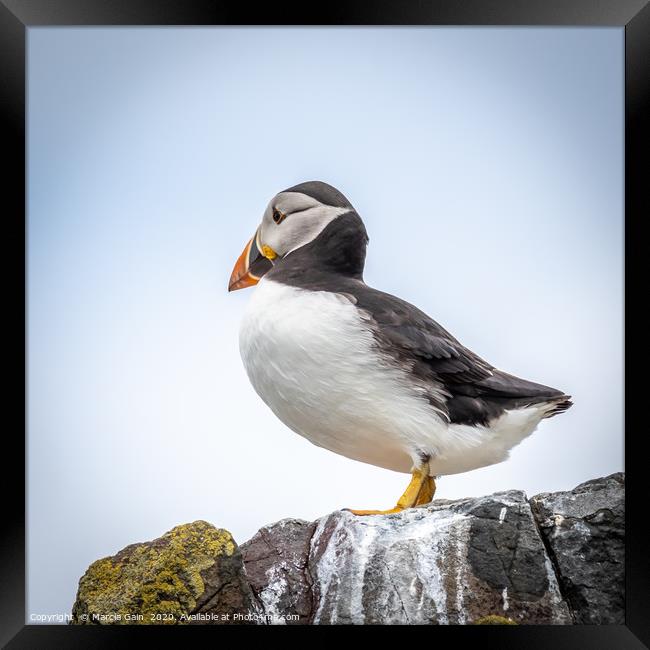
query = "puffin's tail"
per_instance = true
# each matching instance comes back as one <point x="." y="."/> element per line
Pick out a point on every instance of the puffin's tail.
<point x="558" y="405"/>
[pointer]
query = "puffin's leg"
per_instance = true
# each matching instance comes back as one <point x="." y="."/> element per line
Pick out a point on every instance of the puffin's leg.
<point x="419" y="491"/>
<point x="427" y="491"/>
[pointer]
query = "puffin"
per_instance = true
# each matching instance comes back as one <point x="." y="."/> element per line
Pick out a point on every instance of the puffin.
<point x="361" y="372"/>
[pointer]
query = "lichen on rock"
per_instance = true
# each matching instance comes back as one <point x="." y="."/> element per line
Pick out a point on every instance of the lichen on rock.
<point x="191" y="570"/>
<point x="494" y="619"/>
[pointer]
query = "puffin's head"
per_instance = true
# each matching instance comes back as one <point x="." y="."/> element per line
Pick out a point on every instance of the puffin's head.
<point x="293" y="218"/>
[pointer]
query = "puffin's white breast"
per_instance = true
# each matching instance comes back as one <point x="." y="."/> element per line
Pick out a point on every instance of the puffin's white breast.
<point x="313" y="360"/>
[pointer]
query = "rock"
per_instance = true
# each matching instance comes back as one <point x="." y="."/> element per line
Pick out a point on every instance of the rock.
<point x="448" y="562"/>
<point x="276" y="565"/>
<point x="192" y="574"/>
<point x="492" y="560"/>
<point x="584" y="530"/>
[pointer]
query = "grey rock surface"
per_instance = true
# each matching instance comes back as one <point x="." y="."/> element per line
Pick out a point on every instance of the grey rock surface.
<point x="276" y="564"/>
<point x="557" y="558"/>
<point x="448" y="562"/>
<point x="584" y="530"/>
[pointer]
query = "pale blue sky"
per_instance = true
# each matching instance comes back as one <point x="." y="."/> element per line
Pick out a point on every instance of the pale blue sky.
<point x="487" y="165"/>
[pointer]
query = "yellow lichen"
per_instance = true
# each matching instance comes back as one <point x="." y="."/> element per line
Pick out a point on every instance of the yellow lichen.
<point x="494" y="619"/>
<point x="161" y="580"/>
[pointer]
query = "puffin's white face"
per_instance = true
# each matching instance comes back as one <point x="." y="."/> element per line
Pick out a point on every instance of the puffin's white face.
<point x="291" y="220"/>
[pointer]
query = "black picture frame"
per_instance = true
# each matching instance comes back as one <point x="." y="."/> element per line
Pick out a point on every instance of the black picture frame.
<point x="16" y="16"/>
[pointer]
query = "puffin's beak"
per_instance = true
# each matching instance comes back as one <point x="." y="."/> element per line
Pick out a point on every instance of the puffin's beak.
<point x="249" y="268"/>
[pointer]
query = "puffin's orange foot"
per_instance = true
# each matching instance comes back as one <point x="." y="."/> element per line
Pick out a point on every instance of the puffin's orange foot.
<point x="419" y="492"/>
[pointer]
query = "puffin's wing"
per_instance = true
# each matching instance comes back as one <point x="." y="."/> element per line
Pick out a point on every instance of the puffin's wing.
<point x="412" y="336"/>
<point x="474" y="390"/>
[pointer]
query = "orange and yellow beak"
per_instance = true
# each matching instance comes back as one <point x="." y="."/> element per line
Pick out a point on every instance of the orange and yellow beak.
<point x="250" y="267"/>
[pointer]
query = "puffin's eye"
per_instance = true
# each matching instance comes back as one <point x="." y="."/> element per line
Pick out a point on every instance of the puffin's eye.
<point x="278" y="216"/>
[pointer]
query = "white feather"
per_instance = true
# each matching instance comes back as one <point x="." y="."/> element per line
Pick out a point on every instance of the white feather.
<point x="313" y="360"/>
